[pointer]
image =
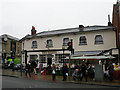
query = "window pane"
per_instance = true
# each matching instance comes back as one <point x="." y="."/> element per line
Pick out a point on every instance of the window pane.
<point x="65" y="41"/>
<point x="42" y="58"/>
<point x="59" y="57"/>
<point x="33" y="57"/>
<point x="49" y="43"/>
<point x="98" y="39"/>
<point x="34" y="44"/>
<point x="83" y="40"/>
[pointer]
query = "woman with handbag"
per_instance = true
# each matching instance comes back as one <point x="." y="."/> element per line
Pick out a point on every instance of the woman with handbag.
<point x="53" y="72"/>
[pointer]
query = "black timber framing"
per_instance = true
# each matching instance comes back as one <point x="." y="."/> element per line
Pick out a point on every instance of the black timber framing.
<point x="46" y="50"/>
<point x="41" y="51"/>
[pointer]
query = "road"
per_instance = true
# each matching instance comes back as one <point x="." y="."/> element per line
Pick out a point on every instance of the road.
<point x="12" y="82"/>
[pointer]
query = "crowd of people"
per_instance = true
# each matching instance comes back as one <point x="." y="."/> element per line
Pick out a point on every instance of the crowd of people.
<point x="83" y="70"/>
<point x="35" y="67"/>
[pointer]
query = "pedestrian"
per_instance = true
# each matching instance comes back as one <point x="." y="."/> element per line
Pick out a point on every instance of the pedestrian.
<point x="84" y="72"/>
<point x="34" y="65"/>
<point x="53" y="72"/>
<point x="91" y="71"/>
<point x="27" y="68"/>
<point x="111" y="71"/>
<point x="65" y="72"/>
<point x="38" y="67"/>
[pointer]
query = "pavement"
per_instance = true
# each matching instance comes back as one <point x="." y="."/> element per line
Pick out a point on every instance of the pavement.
<point x="17" y="74"/>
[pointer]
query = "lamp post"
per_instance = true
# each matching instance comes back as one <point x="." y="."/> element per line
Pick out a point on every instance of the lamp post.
<point x="63" y="48"/>
<point x="72" y="52"/>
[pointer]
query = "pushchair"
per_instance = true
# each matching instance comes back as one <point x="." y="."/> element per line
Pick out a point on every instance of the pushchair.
<point x="77" y="74"/>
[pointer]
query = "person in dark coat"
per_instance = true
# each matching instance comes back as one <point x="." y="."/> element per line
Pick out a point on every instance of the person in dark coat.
<point x="111" y="71"/>
<point x="34" y="65"/>
<point x="91" y="71"/>
<point x="64" y="72"/>
<point x="53" y="72"/>
<point x="84" y="72"/>
<point x="27" y="68"/>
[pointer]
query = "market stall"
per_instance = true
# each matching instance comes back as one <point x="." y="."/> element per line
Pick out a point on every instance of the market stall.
<point x="117" y="72"/>
<point x="98" y="58"/>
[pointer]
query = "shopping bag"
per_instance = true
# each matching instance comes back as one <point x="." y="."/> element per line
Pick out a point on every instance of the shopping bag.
<point x="53" y="72"/>
<point x="66" y="74"/>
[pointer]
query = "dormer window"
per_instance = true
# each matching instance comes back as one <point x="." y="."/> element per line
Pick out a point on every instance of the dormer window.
<point x="98" y="39"/>
<point x="34" y="44"/>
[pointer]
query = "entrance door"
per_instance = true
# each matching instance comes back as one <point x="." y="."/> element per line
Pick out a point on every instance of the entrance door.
<point x="49" y="61"/>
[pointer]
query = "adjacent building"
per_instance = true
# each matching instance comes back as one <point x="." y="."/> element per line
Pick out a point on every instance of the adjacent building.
<point x="116" y="19"/>
<point x="116" y="23"/>
<point x="0" y="50"/>
<point x="10" y="47"/>
<point x="51" y="46"/>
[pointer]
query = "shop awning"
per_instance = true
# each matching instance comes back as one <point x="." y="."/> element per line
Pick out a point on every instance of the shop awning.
<point x="79" y="53"/>
<point x="91" y="57"/>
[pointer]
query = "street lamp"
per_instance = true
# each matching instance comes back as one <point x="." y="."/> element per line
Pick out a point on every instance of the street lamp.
<point x="63" y="48"/>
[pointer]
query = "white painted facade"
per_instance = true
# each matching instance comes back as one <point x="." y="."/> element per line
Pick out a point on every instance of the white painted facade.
<point x="109" y="41"/>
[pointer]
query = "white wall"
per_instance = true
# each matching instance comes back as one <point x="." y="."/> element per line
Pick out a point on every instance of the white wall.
<point x="109" y="39"/>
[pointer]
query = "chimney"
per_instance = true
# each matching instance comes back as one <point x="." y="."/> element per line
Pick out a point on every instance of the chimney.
<point x="33" y="31"/>
<point x="81" y="26"/>
<point x="109" y="23"/>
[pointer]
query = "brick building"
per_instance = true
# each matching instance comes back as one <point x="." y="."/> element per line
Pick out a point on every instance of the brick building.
<point x="10" y="47"/>
<point x="116" y="23"/>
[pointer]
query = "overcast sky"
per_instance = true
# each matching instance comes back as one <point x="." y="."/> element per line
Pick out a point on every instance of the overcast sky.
<point x="18" y="16"/>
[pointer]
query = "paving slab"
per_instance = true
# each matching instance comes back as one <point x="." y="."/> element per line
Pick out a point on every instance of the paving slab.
<point x="9" y="72"/>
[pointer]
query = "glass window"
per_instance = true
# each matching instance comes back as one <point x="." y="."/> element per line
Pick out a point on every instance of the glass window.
<point x="49" y="43"/>
<point x="65" y="41"/>
<point x="34" y="44"/>
<point x="42" y="58"/>
<point x="82" y="40"/>
<point x="98" y="39"/>
<point x="33" y="57"/>
<point x="59" y="57"/>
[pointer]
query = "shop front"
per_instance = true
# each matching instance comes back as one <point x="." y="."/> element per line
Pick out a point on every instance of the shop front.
<point x="97" y="61"/>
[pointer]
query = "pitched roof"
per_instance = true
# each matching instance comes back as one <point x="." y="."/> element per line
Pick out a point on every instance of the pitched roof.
<point x="10" y="37"/>
<point x="69" y="30"/>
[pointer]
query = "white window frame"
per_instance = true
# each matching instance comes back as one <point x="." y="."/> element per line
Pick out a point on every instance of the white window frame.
<point x="34" y="46"/>
<point x="65" y="44"/>
<point x="86" y="40"/>
<point x="98" y="41"/>
<point x="47" y="45"/>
